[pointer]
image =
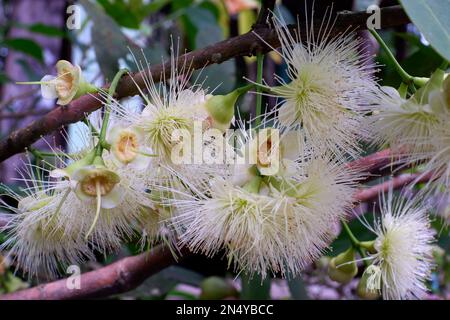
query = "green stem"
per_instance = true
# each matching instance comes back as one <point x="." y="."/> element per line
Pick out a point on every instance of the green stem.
<point x="39" y="155"/>
<point x="405" y="76"/>
<point x="259" y="75"/>
<point x="111" y="91"/>
<point x="403" y="90"/>
<point x="244" y="89"/>
<point x="94" y="131"/>
<point x="355" y="242"/>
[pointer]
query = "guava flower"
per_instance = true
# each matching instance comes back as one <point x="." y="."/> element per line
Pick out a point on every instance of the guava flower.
<point x="403" y="261"/>
<point x="330" y="82"/>
<point x="68" y="84"/>
<point x="272" y="223"/>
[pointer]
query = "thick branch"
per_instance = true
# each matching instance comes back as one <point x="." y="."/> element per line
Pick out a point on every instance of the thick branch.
<point x="244" y="45"/>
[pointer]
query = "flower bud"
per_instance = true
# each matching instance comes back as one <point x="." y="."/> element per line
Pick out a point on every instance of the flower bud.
<point x="343" y="268"/>
<point x="221" y="108"/>
<point x="215" y="288"/>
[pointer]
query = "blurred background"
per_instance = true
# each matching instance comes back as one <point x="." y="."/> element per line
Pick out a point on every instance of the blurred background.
<point x="102" y="35"/>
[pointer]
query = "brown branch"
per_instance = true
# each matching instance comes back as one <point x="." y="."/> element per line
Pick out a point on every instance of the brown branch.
<point x="121" y="276"/>
<point x="243" y="45"/>
<point x="372" y="193"/>
<point x="266" y="7"/>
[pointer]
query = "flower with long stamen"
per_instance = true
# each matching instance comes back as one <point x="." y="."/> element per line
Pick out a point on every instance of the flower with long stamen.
<point x="66" y="86"/>
<point x="329" y="84"/>
<point x="403" y="260"/>
<point x="272" y="223"/>
<point x="402" y="123"/>
<point x="37" y="242"/>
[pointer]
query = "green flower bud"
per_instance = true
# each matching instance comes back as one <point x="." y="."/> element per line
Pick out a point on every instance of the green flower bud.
<point x="215" y="288"/>
<point x="221" y="108"/>
<point x="343" y="268"/>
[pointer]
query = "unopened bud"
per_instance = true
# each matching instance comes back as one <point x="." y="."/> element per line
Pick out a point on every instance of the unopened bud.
<point x="343" y="268"/>
<point x="214" y="288"/>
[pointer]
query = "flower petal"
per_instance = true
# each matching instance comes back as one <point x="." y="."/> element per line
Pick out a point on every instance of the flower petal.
<point x="48" y="89"/>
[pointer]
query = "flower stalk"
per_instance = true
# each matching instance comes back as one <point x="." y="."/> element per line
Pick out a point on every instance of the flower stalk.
<point x="112" y="89"/>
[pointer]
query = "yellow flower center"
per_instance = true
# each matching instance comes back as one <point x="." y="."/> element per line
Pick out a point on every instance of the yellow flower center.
<point x="126" y="146"/>
<point x="97" y="181"/>
<point x="64" y="83"/>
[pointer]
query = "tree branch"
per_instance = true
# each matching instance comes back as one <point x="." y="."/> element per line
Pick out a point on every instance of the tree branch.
<point x="266" y="7"/>
<point x="372" y="193"/>
<point x="121" y="276"/>
<point x="243" y="45"/>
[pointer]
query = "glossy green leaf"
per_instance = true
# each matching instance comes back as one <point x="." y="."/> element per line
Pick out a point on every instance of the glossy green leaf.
<point x="431" y="18"/>
<point x="26" y="46"/>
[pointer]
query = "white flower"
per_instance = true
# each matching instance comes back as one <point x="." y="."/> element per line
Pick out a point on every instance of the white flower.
<point x="272" y="223"/>
<point x="403" y="261"/>
<point x="170" y="107"/>
<point x="128" y="147"/>
<point x="69" y="84"/>
<point x="404" y="124"/>
<point x="330" y="83"/>
<point x="267" y="150"/>
<point x="37" y="242"/>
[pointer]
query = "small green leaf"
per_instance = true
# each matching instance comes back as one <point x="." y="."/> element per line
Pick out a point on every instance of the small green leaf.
<point x="26" y="46"/>
<point x="48" y="30"/>
<point x="431" y="18"/>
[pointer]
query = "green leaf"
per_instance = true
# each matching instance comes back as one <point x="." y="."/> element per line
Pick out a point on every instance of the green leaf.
<point x="255" y="288"/>
<point x="110" y="44"/>
<point x="26" y="46"/>
<point x="431" y="18"/>
<point x="130" y="14"/>
<point x="206" y="31"/>
<point x="48" y="30"/>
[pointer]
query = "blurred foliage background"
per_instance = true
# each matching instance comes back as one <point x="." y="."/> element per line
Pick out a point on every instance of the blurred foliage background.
<point x="34" y="35"/>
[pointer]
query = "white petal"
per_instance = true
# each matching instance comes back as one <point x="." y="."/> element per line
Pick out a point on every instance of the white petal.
<point x="140" y="162"/>
<point x="48" y="89"/>
<point x="113" y="198"/>
<point x="390" y="91"/>
<point x="242" y="174"/>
